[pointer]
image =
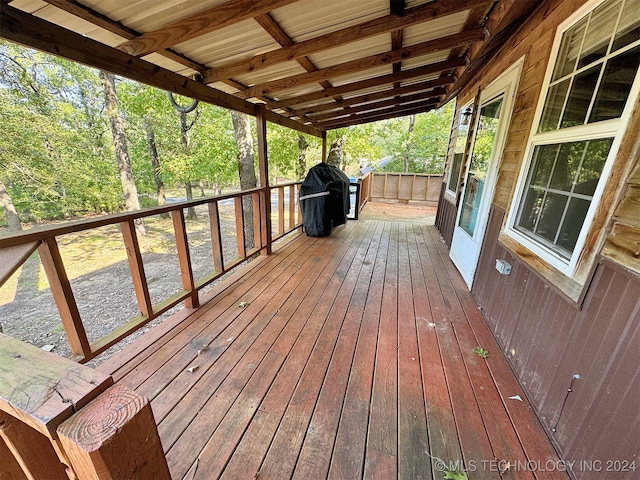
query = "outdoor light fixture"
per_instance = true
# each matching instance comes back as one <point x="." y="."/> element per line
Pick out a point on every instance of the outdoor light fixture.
<point x="466" y="116"/>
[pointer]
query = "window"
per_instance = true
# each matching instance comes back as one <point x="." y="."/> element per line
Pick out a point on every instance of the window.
<point x="458" y="153"/>
<point x="580" y="124"/>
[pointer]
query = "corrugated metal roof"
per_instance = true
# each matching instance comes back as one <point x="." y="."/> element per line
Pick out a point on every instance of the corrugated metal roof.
<point x="269" y="49"/>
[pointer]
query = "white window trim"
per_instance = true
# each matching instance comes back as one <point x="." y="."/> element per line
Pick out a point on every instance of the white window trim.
<point x="611" y="128"/>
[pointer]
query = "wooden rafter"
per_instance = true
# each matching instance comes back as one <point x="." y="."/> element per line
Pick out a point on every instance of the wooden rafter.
<point x="433" y="95"/>
<point x="391" y="112"/>
<point x="386" y="24"/>
<point x="361" y="64"/>
<point x="397" y="37"/>
<point x="371" y="97"/>
<point x="89" y="15"/>
<point x="374" y="82"/>
<point x="215" y="18"/>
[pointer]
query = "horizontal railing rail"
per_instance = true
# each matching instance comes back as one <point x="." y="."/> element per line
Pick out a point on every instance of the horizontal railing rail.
<point x="15" y="249"/>
<point x="406" y="187"/>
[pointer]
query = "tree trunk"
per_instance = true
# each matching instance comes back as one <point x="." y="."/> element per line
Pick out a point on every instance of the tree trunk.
<point x="155" y="163"/>
<point x="131" y="201"/>
<point x="186" y="140"/>
<point x="335" y="156"/>
<point x="10" y="213"/>
<point x="246" y="169"/>
<point x="301" y="167"/>
<point x="407" y="154"/>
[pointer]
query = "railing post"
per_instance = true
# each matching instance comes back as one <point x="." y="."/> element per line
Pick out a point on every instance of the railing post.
<point x="240" y="241"/>
<point x="265" y="207"/>
<point x="323" y="159"/>
<point x="63" y="296"/>
<point x="113" y="437"/>
<point x="216" y="237"/>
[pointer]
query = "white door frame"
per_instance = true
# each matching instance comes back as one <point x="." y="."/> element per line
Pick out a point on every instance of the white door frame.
<point x="465" y="249"/>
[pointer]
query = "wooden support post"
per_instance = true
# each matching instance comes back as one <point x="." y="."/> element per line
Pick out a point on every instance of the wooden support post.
<point x="184" y="258"/>
<point x="136" y="267"/>
<point x="265" y="206"/>
<point x="115" y="436"/>
<point x="63" y="296"/>
<point x="242" y="249"/>
<point x="216" y="237"/>
<point x="323" y="158"/>
<point x="31" y="449"/>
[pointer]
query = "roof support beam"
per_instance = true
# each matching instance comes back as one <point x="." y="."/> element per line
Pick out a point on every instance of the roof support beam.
<point x="371" y="97"/>
<point x="215" y="18"/>
<point x="432" y="96"/>
<point x="386" y="114"/>
<point x="375" y="82"/>
<point x="26" y="29"/>
<point x="361" y="64"/>
<point x="386" y="24"/>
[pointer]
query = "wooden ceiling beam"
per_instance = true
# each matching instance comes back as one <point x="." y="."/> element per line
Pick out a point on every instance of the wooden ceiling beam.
<point x="31" y="31"/>
<point x="220" y="16"/>
<point x="371" y="97"/>
<point x="377" y="116"/>
<point x="397" y="37"/>
<point x="504" y="19"/>
<point x="433" y="95"/>
<point x="366" y="63"/>
<point x="364" y="84"/>
<point x="374" y="82"/>
<point x="276" y="32"/>
<point x="388" y="23"/>
<point x="95" y="18"/>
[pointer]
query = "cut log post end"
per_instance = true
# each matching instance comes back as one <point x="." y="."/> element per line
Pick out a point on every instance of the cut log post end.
<point x="114" y="436"/>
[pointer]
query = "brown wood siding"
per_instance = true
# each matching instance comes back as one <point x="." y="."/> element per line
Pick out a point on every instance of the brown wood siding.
<point x="445" y="217"/>
<point x="548" y="340"/>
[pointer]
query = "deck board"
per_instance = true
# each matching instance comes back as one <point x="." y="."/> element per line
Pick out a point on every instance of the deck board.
<point x="353" y="358"/>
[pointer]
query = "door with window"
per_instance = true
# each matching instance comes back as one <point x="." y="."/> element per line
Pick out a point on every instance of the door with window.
<point x="496" y="102"/>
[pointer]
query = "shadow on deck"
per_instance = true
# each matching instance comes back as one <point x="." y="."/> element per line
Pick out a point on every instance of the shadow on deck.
<point x="349" y="356"/>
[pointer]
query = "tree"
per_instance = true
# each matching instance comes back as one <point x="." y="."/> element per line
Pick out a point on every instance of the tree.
<point x="301" y="167"/>
<point x="335" y="156"/>
<point x="120" y="146"/>
<point x="246" y="167"/>
<point x="10" y="213"/>
<point x="407" y="155"/>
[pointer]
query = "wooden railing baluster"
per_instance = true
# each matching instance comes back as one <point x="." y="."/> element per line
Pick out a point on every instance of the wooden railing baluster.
<point x="292" y="206"/>
<point x="63" y="296"/>
<point x="242" y="249"/>
<point x="184" y="259"/>
<point x="136" y="267"/>
<point x="280" y="211"/>
<point x="257" y="224"/>
<point x="216" y="237"/>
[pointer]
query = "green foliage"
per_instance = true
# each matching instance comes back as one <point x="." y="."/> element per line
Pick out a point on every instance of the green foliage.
<point x="455" y="475"/>
<point x="481" y="352"/>
<point x="56" y="151"/>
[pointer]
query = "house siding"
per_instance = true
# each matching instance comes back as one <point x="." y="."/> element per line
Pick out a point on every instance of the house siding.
<point x="547" y="340"/>
<point x="547" y="336"/>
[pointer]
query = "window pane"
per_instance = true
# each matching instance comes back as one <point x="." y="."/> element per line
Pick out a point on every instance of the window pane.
<point x="543" y="161"/>
<point x="455" y="172"/>
<point x="601" y="27"/>
<point x="567" y="166"/>
<point x="580" y="97"/>
<point x="592" y="166"/>
<point x="551" y="215"/>
<point x="531" y="209"/>
<point x="629" y="28"/>
<point x="553" y="106"/>
<point x="576" y="213"/>
<point x="616" y="85"/>
<point x="563" y="177"/>
<point x="569" y="50"/>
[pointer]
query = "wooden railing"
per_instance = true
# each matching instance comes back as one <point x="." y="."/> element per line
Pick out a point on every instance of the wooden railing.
<point x="16" y="249"/>
<point x="406" y="187"/>
<point x="60" y="420"/>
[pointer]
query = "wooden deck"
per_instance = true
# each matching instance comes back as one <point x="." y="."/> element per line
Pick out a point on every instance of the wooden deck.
<point x="349" y="356"/>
